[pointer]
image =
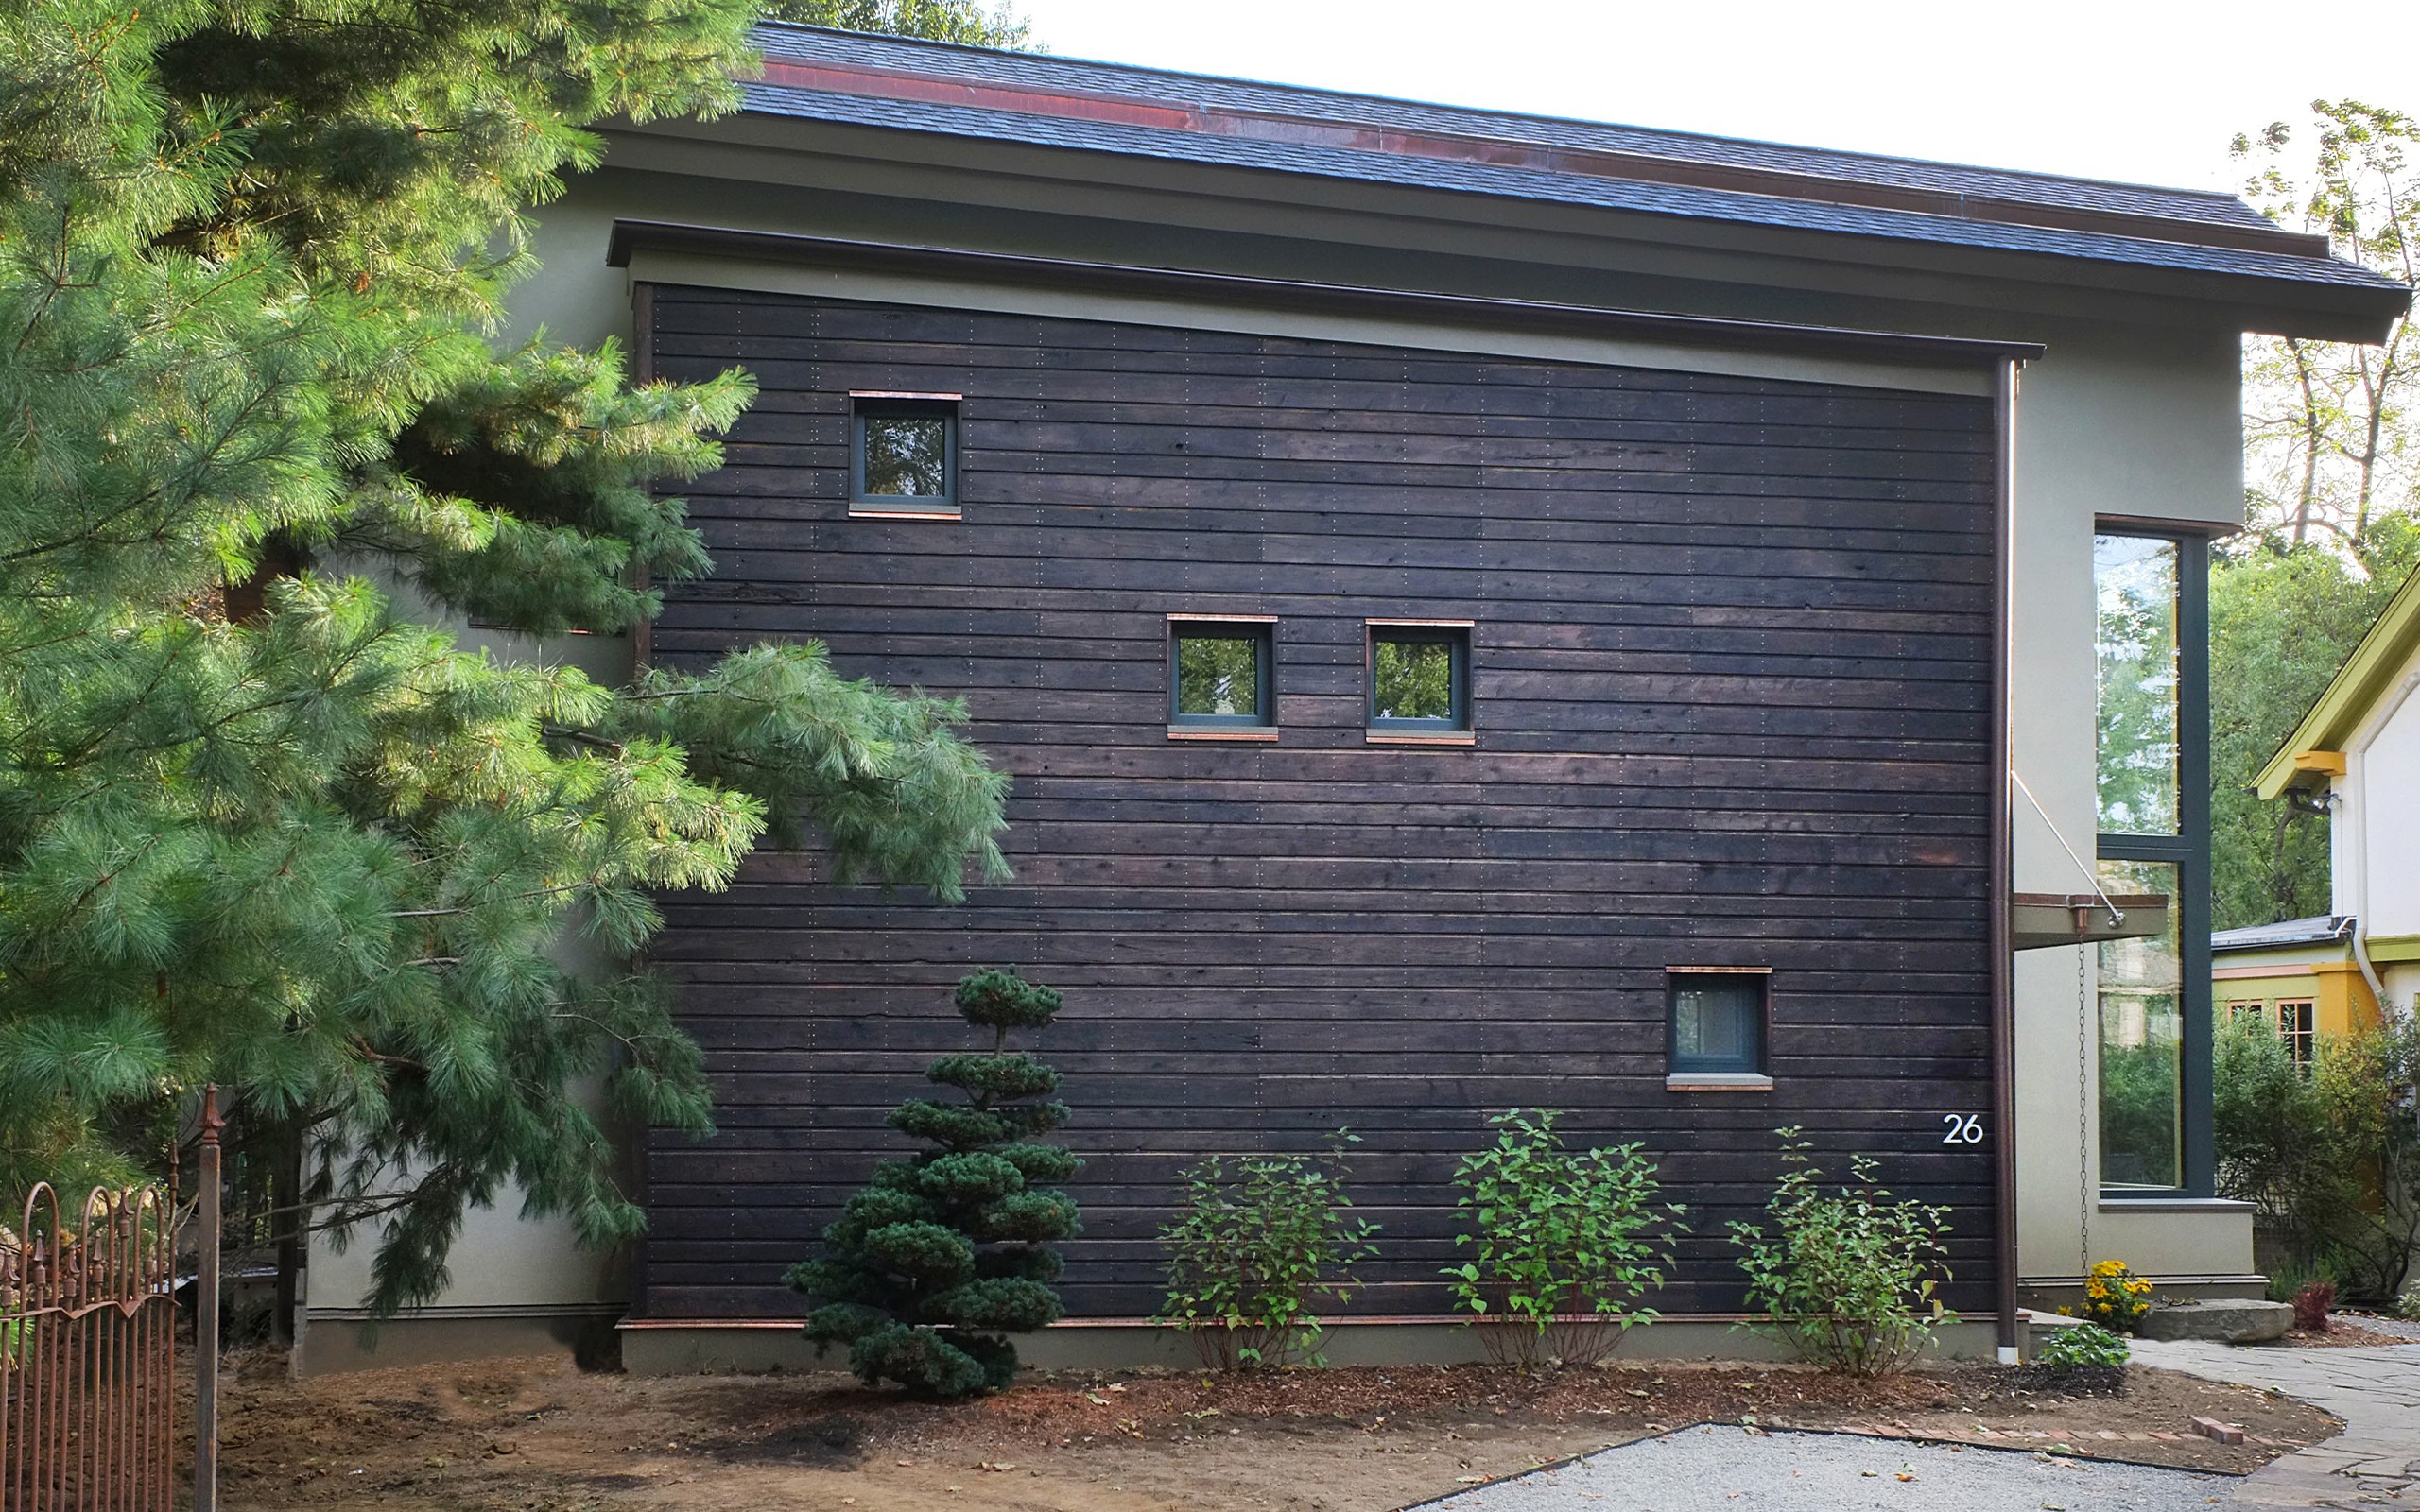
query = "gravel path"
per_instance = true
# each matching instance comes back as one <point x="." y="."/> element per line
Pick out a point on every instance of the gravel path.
<point x="1727" y="1469"/>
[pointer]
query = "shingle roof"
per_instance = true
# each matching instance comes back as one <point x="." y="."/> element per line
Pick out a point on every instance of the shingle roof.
<point x="1043" y="100"/>
<point x="2292" y="932"/>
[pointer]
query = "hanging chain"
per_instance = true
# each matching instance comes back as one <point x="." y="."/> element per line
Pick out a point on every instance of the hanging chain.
<point x="2085" y="1116"/>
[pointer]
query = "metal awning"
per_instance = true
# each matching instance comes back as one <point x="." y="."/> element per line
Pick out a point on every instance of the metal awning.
<point x="2043" y="919"/>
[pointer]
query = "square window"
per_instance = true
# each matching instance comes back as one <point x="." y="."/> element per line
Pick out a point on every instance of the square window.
<point x="1221" y="674"/>
<point x="1420" y="677"/>
<point x="1718" y="1023"/>
<point x="903" y="453"/>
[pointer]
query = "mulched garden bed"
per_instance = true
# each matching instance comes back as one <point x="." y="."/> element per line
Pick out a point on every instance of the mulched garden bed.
<point x="515" y="1434"/>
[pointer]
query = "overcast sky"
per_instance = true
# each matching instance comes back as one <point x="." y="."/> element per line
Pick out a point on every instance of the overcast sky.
<point x="2128" y="90"/>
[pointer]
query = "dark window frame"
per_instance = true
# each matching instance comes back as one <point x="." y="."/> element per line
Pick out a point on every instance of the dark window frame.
<point x="1456" y="635"/>
<point x="1262" y="630"/>
<point x="864" y="406"/>
<point x="2188" y="852"/>
<point x="1759" y="1062"/>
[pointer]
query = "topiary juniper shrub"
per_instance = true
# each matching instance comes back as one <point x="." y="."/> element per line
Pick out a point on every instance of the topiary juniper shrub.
<point x="944" y="1254"/>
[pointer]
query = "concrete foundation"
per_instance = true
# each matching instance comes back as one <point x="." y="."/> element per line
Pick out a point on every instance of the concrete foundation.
<point x="669" y="1347"/>
<point x="332" y="1344"/>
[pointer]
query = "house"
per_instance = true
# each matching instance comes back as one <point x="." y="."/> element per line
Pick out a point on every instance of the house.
<point x="2299" y="977"/>
<point x="1481" y="610"/>
<point x="2357" y="756"/>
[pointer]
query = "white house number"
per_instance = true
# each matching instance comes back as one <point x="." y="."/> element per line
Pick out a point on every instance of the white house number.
<point x="1965" y="1128"/>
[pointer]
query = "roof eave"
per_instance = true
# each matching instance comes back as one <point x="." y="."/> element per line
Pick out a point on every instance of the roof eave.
<point x="630" y="235"/>
<point x="2366" y="676"/>
<point x="2310" y="310"/>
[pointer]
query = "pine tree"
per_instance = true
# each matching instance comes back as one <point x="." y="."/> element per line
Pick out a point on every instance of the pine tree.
<point x="258" y="823"/>
<point x="944" y="1253"/>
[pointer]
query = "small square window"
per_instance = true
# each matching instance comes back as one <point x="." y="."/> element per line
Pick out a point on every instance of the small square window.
<point x="1221" y="674"/>
<point x="1717" y="1027"/>
<point x="1420" y="678"/>
<point x="903" y="455"/>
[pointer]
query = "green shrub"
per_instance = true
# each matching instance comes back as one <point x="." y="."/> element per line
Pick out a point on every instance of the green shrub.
<point x="1567" y="1242"/>
<point x="2083" y="1346"/>
<point x="2289" y="1276"/>
<point x="2329" y="1154"/>
<point x="945" y="1253"/>
<point x="1847" y="1278"/>
<point x="1264" y="1239"/>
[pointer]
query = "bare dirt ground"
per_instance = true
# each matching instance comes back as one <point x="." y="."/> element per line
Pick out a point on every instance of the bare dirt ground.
<point x="518" y="1436"/>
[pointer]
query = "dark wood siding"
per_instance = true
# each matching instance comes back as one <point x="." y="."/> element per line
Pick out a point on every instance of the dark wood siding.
<point x="1730" y="669"/>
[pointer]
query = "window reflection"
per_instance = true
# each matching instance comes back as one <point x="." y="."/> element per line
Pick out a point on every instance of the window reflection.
<point x="2134" y="581"/>
<point x="2142" y="1032"/>
<point x="1219" y="675"/>
<point x="907" y="456"/>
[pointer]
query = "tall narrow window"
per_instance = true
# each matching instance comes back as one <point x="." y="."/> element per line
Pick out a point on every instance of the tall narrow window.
<point x="1221" y="676"/>
<point x="2152" y="655"/>
<point x="1420" y="678"/>
<point x="2142" y="1042"/>
<point x="903" y="455"/>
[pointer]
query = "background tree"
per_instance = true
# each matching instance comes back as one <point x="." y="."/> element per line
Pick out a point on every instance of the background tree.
<point x="2332" y="473"/>
<point x="959" y="21"/>
<point x="2329" y="426"/>
<point x="2283" y="618"/>
<point x="930" y="1267"/>
<point x="313" y="851"/>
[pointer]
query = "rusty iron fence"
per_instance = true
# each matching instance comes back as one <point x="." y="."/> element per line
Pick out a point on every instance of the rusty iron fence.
<point x="88" y="1322"/>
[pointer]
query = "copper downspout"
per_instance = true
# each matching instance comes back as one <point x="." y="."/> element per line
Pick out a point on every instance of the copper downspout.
<point x="2003" y="882"/>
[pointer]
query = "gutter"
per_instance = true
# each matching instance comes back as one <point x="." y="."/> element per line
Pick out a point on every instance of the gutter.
<point x="2003" y="876"/>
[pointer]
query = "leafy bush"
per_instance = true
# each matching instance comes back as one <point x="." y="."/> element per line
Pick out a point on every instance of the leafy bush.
<point x="1847" y="1278"/>
<point x="2292" y="1273"/>
<point x="945" y="1253"/>
<point x="1566" y="1242"/>
<point x="2313" y="1303"/>
<point x="1263" y="1238"/>
<point x="2116" y="1298"/>
<point x="2083" y="1346"/>
<point x="2329" y="1154"/>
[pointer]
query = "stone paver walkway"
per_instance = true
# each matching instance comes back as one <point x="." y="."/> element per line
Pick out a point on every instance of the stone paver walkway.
<point x="2373" y="1464"/>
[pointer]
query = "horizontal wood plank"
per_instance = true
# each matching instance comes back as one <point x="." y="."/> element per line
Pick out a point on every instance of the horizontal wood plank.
<point x="1731" y="676"/>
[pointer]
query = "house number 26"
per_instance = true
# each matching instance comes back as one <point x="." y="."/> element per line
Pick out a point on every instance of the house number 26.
<point x="1965" y="1128"/>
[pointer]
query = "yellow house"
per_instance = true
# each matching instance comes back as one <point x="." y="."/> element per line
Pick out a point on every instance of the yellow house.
<point x="2358" y="754"/>
<point x="2299" y="976"/>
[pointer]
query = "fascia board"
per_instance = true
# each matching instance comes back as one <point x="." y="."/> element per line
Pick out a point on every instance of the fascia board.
<point x="2316" y="311"/>
<point x="2374" y="670"/>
